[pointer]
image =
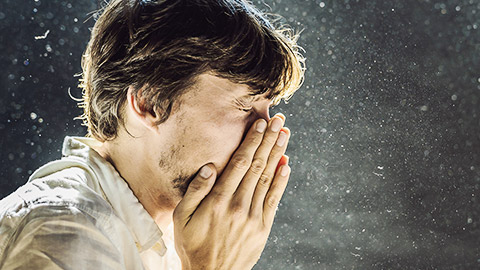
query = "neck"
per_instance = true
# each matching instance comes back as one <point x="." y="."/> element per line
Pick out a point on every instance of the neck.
<point x="151" y="192"/>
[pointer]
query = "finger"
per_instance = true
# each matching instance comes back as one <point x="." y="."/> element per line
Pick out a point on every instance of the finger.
<point x="284" y="158"/>
<point x="196" y="192"/>
<point x="281" y="115"/>
<point x="273" y="167"/>
<point x="274" y="195"/>
<point x="240" y="161"/>
<point x="269" y="173"/>
<point x="283" y="161"/>
<point x="268" y="152"/>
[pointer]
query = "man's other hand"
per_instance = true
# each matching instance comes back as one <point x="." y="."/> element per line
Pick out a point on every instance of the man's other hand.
<point x="224" y="224"/>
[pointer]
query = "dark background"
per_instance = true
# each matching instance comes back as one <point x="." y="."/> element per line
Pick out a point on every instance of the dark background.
<point x="385" y="130"/>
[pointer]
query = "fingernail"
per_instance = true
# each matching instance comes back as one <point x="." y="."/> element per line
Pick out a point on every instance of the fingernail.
<point x="281" y="115"/>
<point x="261" y="126"/>
<point x="277" y="124"/>
<point x="281" y="138"/>
<point x="205" y="172"/>
<point x="284" y="170"/>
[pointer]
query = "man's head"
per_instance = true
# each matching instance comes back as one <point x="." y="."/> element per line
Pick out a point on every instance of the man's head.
<point x="178" y="69"/>
<point x="165" y="45"/>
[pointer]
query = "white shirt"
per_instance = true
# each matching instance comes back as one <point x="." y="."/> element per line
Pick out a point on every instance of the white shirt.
<point x="78" y="213"/>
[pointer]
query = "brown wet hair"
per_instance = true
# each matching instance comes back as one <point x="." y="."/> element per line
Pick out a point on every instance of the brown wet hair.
<point x="162" y="46"/>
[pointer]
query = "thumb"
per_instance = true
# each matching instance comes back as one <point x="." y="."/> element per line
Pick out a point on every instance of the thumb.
<point x="196" y="192"/>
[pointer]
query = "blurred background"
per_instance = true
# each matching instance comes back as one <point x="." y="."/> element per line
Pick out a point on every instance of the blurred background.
<point x="385" y="130"/>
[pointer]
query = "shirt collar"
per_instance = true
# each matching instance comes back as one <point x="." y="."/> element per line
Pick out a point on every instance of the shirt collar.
<point x="117" y="192"/>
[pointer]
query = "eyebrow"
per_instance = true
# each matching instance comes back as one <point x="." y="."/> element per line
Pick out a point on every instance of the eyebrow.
<point x="249" y="97"/>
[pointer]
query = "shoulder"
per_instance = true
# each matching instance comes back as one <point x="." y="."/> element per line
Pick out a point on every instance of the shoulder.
<point x="67" y="188"/>
<point x="58" y="194"/>
<point x="58" y="216"/>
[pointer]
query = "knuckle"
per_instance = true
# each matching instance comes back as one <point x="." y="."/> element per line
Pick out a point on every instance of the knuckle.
<point x="270" y="140"/>
<point x="258" y="165"/>
<point x="254" y="218"/>
<point x="218" y="196"/>
<point x="256" y="139"/>
<point x="195" y="186"/>
<point x="217" y="209"/>
<point x="237" y="208"/>
<point x="264" y="180"/>
<point x="240" y="161"/>
<point x="271" y="201"/>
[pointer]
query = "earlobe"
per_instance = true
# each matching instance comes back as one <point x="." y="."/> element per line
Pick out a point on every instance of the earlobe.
<point x="136" y="107"/>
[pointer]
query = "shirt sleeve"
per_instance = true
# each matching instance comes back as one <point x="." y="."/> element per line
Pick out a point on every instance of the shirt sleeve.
<point x="61" y="238"/>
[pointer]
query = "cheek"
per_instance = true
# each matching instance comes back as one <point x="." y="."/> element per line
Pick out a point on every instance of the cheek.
<point x="231" y="132"/>
<point x="223" y="135"/>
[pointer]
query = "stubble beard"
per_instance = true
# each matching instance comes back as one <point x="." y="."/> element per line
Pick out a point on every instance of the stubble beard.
<point x="181" y="183"/>
<point x="169" y="162"/>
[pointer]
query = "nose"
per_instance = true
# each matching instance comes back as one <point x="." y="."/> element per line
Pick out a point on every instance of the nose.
<point x="263" y="111"/>
<point x="265" y="114"/>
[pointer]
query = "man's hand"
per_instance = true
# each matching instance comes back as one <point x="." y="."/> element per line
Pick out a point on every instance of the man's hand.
<point x="226" y="225"/>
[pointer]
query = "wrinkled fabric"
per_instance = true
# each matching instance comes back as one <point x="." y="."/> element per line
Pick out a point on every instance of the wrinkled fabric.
<point x="78" y="213"/>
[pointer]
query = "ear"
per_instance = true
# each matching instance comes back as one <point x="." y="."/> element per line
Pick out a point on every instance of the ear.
<point x="136" y="108"/>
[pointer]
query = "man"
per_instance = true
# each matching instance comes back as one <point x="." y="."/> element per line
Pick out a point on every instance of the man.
<point x="183" y="167"/>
